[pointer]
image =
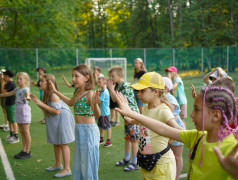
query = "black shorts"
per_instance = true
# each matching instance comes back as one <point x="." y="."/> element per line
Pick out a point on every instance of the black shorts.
<point x="103" y="122"/>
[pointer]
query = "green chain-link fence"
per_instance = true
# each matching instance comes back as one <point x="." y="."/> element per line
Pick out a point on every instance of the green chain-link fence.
<point x="189" y="61"/>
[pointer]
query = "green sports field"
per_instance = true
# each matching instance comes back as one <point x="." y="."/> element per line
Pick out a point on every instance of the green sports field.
<point x="43" y="155"/>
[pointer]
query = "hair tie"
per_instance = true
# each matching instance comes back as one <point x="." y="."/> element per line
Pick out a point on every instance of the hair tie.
<point x="163" y="94"/>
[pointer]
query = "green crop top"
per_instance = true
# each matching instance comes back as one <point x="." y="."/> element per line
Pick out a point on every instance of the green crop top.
<point x="82" y="108"/>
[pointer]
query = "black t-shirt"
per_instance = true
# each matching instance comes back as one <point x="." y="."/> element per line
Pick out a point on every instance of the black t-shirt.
<point x="139" y="74"/>
<point x="10" y="86"/>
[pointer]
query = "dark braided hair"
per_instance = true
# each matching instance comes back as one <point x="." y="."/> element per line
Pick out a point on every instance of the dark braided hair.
<point x="224" y="100"/>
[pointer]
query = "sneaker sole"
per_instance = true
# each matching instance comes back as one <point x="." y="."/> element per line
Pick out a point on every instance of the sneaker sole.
<point x="108" y="145"/>
<point x="13" y="142"/>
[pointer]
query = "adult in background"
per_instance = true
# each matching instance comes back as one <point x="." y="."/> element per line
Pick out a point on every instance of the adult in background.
<point x="139" y="70"/>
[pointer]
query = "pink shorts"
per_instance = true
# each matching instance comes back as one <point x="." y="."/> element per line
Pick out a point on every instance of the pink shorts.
<point x="23" y="114"/>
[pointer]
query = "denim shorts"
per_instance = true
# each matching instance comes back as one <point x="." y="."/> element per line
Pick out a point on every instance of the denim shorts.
<point x="181" y="124"/>
<point x="86" y="154"/>
<point x="139" y="103"/>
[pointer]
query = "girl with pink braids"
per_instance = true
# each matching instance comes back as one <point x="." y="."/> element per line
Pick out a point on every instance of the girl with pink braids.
<point x="214" y="109"/>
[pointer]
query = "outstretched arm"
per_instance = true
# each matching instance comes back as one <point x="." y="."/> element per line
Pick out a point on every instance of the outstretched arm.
<point x="7" y="94"/>
<point x="229" y="162"/>
<point x="156" y="126"/>
<point x="44" y="106"/>
<point x="66" y="82"/>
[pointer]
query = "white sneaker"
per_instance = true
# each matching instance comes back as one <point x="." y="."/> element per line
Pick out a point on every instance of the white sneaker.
<point x="3" y="125"/>
<point x="8" y="138"/>
<point x="6" y="129"/>
<point x="14" y="140"/>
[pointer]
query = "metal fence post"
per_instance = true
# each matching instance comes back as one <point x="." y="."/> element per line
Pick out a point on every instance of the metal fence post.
<point x="145" y="57"/>
<point x="77" y="57"/>
<point x="227" y="59"/>
<point x="202" y="65"/>
<point x="37" y="64"/>
<point x="173" y="57"/>
<point x="111" y="55"/>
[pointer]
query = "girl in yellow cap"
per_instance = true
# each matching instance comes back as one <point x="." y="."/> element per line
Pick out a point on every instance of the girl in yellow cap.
<point x="155" y="157"/>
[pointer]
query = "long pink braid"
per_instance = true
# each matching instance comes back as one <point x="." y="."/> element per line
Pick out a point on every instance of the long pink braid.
<point x="228" y="130"/>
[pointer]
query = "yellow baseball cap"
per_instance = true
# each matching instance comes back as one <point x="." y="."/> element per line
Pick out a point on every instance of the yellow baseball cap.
<point x="150" y="79"/>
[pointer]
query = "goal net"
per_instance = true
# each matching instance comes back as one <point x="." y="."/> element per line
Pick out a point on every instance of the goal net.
<point x="106" y="63"/>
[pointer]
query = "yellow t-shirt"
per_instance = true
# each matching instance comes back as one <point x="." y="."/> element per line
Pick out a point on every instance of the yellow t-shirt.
<point x="151" y="142"/>
<point x="211" y="168"/>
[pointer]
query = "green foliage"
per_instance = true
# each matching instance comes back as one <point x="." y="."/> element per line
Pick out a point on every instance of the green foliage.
<point x="118" y="23"/>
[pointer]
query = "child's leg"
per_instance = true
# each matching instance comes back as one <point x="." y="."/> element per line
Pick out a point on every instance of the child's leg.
<point x="127" y="149"/>
<point x="5" y="115"/>
<point x="101" y="132"/>
<point x="178" y="152"/>
<point x="66" y="156"/>
<point x="15" y="128"/>
<point x="26" y="137"/>
<point x="134" y="152"/>
<point x="118" y="117"/>
<point x="58" y="151"/>
<point x="109" y="133"/>
<point x="112" y="111"/>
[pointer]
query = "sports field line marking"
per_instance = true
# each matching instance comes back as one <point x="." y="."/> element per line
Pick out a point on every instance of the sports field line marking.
<point x="6" y="164"/>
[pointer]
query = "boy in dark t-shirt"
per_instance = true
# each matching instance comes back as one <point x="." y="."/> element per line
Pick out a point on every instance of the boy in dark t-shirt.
<point x="11" y="107"/>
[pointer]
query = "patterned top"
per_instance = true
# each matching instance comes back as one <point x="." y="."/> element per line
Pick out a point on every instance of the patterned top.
<point x="125" y="89"/>
<point x="20" y="94"/>
<point x="82" y="108"/>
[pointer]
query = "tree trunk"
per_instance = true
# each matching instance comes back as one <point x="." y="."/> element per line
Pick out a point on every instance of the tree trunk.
<point x="171" y="18"/>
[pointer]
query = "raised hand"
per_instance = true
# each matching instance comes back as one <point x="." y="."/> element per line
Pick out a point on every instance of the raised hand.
<point x="193" y="91"/>
<point x="110" y="85"/>
<point x="123" y="104"/>
<point x="52" y="86"/>
<point x="35" y="99"/>
<point x="229" y="162"/>
<point x="95" y="97"/>
<point x="28" y="98"/>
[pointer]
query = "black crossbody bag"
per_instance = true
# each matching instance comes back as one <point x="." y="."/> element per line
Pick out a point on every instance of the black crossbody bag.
<point x="149" y="161"/>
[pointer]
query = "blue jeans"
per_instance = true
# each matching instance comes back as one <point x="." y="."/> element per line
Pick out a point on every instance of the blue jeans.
<point x="86" y="154"/>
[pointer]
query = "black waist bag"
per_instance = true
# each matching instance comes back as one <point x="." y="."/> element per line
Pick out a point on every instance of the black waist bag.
<point x="149" y="161"/>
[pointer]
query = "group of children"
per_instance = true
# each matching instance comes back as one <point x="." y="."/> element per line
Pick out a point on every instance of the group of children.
<point x="158" y="124"/>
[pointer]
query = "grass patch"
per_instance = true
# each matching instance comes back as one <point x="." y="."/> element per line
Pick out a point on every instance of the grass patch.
<point x="43" y="155"/>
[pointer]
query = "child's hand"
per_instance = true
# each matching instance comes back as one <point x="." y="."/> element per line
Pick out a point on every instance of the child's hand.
<point x="35" y="99"/>
<point x="95" y="97"/>
<point x="52" y="86"/>
<point x="63" y="77"/>
<point x="110" y="85"/>
<point x="229" y="162"/>
<point x="193" y="91"/>
<point x="28" y="98"/>
<point x="123" y="104"/>
<point x="129" y="120"/>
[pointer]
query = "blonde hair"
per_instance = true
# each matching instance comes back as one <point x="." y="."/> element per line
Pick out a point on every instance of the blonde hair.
<point x="142" y="66"/>
<point x="117" y="69"/>
<point x="163" y="97"/>
<point x="49" y="92"/>
<point x="26" y="77"/>
<point x="102" y="78"/>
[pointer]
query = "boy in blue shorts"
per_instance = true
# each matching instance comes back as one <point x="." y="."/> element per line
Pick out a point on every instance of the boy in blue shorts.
<point x="131" y="131"/>
<point x="103" y="120"/>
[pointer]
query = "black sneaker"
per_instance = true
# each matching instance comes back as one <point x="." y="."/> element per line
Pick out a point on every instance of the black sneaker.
<point x="123" y="162"/>
<point x="25" y="155"/>
<point x="108" y="144"/>
<point x="131" y="167"/>
<point x="17" y="156"/>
